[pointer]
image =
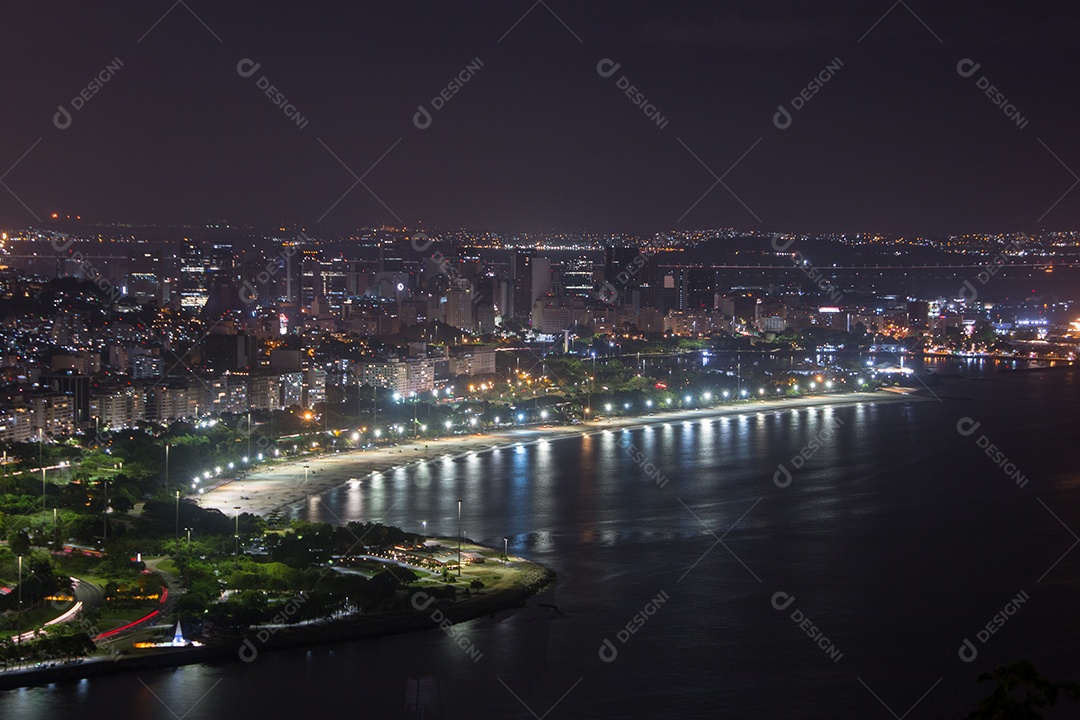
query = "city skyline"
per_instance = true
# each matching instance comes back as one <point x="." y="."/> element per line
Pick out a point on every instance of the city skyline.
<point x="539" y="359"/>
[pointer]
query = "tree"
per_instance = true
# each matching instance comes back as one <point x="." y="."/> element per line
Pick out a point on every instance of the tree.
<point x="20" y="544"/>
<point x="1038" y="693"/>
<point x="404" y="575"/>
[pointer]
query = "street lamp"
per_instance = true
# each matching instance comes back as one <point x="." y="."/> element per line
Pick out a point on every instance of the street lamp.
<point x="166" y="467"/>
<point x="236" y="536"/>
<point x="41" y="464"/>
<point x="459" y="537"/>
<point x="20" y="600"/>
<point x="176" y="533"/>
<point x="105" y="515"/>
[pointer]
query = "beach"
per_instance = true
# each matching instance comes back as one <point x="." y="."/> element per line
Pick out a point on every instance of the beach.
<point x="285" y="483"/>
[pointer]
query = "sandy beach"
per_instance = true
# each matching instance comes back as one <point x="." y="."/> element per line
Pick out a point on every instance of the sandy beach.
<point x="280" y="485"/>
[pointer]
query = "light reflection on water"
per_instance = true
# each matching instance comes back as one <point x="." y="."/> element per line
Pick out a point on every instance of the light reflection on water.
<point x="897" y="537"/>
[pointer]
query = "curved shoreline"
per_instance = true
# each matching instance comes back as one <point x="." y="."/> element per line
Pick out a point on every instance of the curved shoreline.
<point x="283" y="486"/>
<point x="243" y="647"/>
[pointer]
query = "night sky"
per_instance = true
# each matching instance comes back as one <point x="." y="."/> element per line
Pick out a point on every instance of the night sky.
<point x="896" y="141"/>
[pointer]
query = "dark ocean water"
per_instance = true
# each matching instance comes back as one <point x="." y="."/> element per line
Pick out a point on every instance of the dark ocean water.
<point x="897" y="537"/>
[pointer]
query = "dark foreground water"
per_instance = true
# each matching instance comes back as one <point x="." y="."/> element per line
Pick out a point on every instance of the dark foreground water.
<point x="898" y="538"/>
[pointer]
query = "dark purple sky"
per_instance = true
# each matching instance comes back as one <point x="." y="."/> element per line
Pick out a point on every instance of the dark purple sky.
<point x="896" y="141"/>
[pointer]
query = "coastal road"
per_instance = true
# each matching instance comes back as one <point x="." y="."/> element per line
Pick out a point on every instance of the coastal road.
<point x="275" y="486"/>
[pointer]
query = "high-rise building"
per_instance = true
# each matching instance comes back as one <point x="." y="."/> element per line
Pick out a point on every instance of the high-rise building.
<point x="310" y="276"/>
<point x="621" y="272"/>
<point x="577" y="277"/>
<point x="541" y="279"/>
<point x="335" y="282"/>
<point x="391" y="257"/>
<point x="194" y="280"/>
<point x="651" y="285"/>
<point x="521" y="276"/>
<point x="221" y="262"/>
<point x="77" y="387"/>
<point x="460" y="311"/>
<point x="144" y="277"/>
<point x="700" y="288"/>
<point x="918" y="314"/>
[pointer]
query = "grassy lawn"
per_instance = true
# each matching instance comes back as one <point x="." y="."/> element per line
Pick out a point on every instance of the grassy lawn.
<point x="83" y="568"/>
<point x="168" y="566"/>
<point x="111" y="616"/>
